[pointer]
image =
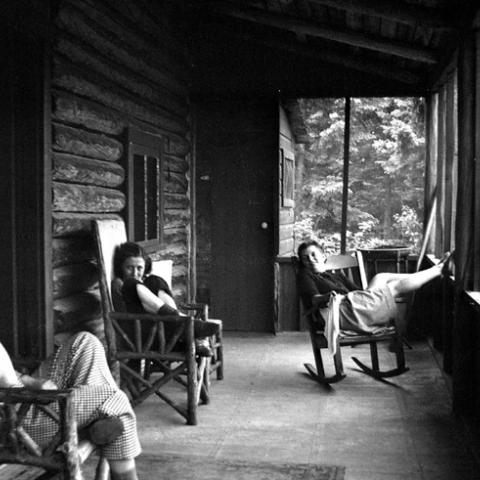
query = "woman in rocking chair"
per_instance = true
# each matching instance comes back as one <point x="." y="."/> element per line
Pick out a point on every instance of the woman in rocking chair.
<point x="362" y="311"/>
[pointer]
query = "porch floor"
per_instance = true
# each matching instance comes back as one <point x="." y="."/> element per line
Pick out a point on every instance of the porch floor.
<point x="267" y="409"/>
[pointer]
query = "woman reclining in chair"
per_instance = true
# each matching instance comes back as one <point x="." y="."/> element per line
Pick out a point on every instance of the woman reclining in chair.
<point x="101" y="407"/>
<point x="362" y="311"/>
<point x="135" y="290"/>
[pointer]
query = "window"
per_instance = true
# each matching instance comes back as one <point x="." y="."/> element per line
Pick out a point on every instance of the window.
<point x="144" y="188"/>
<point x="361" y="171"/>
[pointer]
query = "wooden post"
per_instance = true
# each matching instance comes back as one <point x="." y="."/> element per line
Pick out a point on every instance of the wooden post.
<point x="462" y="337"/>
<point x="440" y="166"/>
<point x="476" y="232"/>
<point x="346" y="161"/>
<point x="192" y="378"/>
<point x="450" y="164"/>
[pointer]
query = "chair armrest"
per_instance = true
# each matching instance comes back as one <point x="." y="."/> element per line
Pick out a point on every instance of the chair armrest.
<point x="30" y="395"/>
<point x="200" y="309"/>
<point x="147" y="317"/>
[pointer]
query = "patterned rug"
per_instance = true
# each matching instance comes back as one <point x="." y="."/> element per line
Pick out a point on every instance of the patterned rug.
<point x="205" y="468"/>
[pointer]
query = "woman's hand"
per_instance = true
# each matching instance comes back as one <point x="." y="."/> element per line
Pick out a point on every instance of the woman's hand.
<point x="38" y="383"/>
<point x="47" y="384"/>
<point x="320" y="300"/>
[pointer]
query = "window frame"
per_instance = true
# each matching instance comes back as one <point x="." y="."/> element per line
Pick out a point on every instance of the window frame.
<point x="146" y="145"/>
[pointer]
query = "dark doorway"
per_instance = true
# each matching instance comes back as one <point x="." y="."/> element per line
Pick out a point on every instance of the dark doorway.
<point x="238" y="144"/>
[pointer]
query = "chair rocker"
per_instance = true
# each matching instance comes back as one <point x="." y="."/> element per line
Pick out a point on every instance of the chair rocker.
<point x="139" y="344"/>
<point x="352" y="267"/>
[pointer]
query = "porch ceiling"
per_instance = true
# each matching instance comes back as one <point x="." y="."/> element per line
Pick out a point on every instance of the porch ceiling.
<point x="321" y="47"/>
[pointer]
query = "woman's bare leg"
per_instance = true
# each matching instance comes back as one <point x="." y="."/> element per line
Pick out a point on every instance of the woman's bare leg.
<point x="402" y="283"/>
<point x="123" y="469"/>
<point x="167" y="299"/>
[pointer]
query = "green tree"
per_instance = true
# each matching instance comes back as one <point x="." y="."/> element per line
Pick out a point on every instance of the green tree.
<point x="386" y="170"/>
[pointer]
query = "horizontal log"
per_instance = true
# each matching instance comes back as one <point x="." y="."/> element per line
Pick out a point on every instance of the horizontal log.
<point x="175" y="201"/>
<point x="176" y="235"/>
<point x="71" y="168"/>
<point x="175" y="183"/>
<point x="175" y="164"/>
<point x="175" y="251"/>
<point x="74" y="310"/>
<point x="82" y="198"/>
<point x="153" y="23"/>
<point x="180" y="271"/>
<point x="74" y="278"/>
<point x="71" y="224"/>
<point x="70" y="109"/>
<point x="80" y="142"/>
<point x="286" y="247"/>
<point x="72" y="250"/>
<point x="92" y="325"/>
<point x="123" y="78"/>
<point x="177" y="146"/>
<point x="180" y="293"/>
<point x="176" y="218"/>
<point x="286" y="216"/>
<point x="105" y="93"/>
<point x="125" y="46"/>
<point x="285" y="231"/>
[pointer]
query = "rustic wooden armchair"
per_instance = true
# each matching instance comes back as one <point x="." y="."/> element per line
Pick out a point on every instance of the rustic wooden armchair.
<point x="163" y="268"/>
<point x="352" y="268"/>
<point x="138" y="345"/>
<point x="22" y="458"/>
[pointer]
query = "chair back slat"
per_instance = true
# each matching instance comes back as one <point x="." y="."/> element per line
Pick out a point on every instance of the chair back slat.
<point x="349" y="266"/>
<point x="109" y="234"/>
<point x="163" y="268"/>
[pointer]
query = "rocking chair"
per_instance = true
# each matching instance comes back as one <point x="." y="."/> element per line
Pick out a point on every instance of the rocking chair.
<point x="352" y="268"/>
<point x="138" y="344"/>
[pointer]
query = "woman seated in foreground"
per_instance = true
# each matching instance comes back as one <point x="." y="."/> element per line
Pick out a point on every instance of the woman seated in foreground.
<point x="100" y="406"/>
<point x="135" y="290"/>
<point x="362" y="311"/>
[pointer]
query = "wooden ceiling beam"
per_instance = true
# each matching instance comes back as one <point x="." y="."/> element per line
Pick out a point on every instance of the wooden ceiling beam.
<point x="336" y="57"/>
<point x="300" y="26"/>
<point x="392" y="10"/>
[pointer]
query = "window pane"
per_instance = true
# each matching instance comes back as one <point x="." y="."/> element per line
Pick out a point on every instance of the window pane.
<point x="386" y="172"/>
<point x="152" y="198"/>
<point x="319" y="172"/>
<point x="387" y="149"/>
<point x="139" y="196"/>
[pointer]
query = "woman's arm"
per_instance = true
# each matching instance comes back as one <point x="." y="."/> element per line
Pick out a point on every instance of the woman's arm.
<point x="10" y="378"/>
<point x="320" y="300"/>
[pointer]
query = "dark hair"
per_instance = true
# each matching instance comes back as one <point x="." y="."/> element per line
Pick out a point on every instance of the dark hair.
<point x="303" y="246"/>
<point x="127" y="250"/>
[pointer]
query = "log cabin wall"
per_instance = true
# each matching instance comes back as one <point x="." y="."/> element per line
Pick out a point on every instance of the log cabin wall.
<point x="115" y="67"/>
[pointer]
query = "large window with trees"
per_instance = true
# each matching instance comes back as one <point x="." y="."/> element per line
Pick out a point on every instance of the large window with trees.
<point x="360" y="172"/>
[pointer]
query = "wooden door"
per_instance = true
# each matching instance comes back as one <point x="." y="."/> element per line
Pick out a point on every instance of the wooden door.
<point x="242" y="155"/>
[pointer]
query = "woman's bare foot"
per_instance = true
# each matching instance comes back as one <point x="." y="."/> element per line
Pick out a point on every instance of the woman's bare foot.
<point x="445" y="264"/>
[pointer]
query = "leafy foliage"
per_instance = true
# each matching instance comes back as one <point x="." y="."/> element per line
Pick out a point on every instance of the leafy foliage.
<point x="386" y="170"/>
